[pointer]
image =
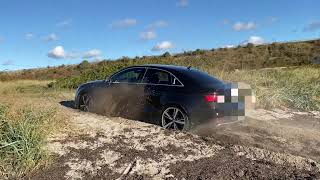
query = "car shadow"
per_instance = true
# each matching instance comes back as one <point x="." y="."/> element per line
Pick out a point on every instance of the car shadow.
<point x="71" y="104"/>
<point x="68" y="104"/>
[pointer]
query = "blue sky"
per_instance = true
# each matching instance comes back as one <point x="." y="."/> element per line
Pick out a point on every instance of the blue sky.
<point x="40" y="33"/>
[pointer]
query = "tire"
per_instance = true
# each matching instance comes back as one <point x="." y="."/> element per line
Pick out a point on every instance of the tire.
<point x="175" y="118"/>
<point x="85" y="102"/>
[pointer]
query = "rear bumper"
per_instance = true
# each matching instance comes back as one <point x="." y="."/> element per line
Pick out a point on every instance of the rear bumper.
<point x="218" y="114"/>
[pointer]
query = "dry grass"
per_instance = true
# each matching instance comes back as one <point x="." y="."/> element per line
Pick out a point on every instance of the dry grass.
<point x="297" y="87"/>
<point x="24" y="92"/>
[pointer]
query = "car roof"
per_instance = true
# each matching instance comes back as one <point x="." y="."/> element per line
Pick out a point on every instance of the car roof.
<point x="164" y="67"/>
<point x="187" y="75"/>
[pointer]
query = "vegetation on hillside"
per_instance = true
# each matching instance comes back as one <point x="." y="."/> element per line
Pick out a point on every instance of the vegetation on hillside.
<point x="241" y="57"/>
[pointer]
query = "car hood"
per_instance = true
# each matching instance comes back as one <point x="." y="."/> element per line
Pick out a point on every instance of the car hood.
<point x="96" y="83"/>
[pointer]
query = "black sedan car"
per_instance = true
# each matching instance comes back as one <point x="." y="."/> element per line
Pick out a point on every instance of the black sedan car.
<point x="175" y="97"/>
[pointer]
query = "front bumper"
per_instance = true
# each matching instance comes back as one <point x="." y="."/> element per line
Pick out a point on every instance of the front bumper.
<point x="76" y="99"/>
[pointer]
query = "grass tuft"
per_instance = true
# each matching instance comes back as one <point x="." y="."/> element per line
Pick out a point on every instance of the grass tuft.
<point x="22" y="138"/>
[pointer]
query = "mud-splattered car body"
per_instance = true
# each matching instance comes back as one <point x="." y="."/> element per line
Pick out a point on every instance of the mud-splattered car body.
<point x="173" y="96"/>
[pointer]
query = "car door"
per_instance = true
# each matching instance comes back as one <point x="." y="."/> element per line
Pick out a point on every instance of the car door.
<point x="158" y="83"/>
<point x="125" y="91"/>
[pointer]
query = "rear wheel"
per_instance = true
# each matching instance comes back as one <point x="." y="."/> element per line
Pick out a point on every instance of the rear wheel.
<point x="175" y="118"/>
<point x="85" y="101"/>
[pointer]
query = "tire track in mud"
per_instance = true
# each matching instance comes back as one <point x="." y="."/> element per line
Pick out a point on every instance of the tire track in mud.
<point x="104" y="147"/>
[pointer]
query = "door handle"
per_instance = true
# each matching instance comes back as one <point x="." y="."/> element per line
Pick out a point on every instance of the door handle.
<point x="151" y="91"/>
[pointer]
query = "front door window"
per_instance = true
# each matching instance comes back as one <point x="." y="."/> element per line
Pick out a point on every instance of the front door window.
<point x="133" y="75"/>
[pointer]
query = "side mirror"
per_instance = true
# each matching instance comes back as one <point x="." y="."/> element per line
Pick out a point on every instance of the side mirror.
<point x="108" y="80"/>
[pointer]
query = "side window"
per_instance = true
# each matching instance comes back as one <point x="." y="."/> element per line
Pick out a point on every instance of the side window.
<point x="154" y="76"/>
<point x="133" y="75"/>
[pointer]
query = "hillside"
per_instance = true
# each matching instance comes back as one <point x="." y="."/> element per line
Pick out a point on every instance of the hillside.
<point x="226" y="59"/>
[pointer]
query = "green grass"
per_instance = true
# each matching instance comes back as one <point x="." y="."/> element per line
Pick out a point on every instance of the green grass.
<point x="22" y="139"/>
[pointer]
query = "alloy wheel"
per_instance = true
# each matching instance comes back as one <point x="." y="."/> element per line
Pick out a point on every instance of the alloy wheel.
<point x="85" y="103"/>
<point x="173" y="118"/>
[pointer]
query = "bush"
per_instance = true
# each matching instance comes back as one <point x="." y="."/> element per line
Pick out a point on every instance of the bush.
<point x="83" y="65"/>
<point x="166" y="54"/>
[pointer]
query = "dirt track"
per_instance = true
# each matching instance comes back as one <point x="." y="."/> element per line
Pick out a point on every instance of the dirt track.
<point x="279" y="144"/>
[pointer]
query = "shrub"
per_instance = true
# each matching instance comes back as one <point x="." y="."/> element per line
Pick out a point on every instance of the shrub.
<point x="83" y="65"/>
<point x="166" y="54"/>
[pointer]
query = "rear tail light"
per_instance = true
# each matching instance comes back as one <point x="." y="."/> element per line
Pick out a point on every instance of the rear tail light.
<point x="215" y="98"/>
<point x="212" y="97"/>
<point x="221" y="99"/>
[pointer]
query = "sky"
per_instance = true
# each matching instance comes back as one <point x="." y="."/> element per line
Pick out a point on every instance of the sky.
<point x="41" y="33"/>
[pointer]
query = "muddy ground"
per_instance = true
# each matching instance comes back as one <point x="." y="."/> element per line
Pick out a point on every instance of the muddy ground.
<point x="278" y="144"/>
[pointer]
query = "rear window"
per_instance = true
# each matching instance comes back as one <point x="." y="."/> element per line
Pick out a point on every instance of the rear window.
<point x="154" y="76"/>
<point x="202" y="78"/>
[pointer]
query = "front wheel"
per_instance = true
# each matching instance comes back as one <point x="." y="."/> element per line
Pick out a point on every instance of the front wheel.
<point x="175" y="118"/>
<point x="85" y="101"/>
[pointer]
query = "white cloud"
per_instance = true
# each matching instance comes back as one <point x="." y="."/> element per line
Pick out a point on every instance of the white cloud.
<point x="51" y="37"/>
<point x="158" y="24"/>
<point x="183" y="3"/>
<point x="313" y="26"/>
<point x="57" y="53"/>
<point x="124" y="23"/>
<point x="229" y="46"/>
<point x="256" y="40"/>
<point x="60" y="53"/>
<point x="7" y="63"/>
<point x="94" y="53"/>
<point x="148" y="35"/>
<point x="64" y="23"/>
<point x="164" y="45"/>
<point x="29" y="36"/>
<point x="240" y="26"/>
